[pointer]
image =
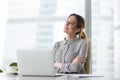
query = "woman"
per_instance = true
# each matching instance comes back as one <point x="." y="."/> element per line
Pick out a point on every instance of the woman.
<point x="71" y="53"/>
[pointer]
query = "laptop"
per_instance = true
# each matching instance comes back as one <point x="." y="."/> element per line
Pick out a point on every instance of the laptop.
<point x="36" y="63"/>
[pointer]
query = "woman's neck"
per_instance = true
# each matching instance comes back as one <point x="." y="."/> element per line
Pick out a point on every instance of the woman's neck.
<point x="68" y="37"/>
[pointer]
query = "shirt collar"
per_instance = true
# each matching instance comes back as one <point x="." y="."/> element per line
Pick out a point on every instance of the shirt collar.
<point x="70" y="41"/>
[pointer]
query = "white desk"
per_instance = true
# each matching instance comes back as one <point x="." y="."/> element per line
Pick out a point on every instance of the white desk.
<point x="65" y="77"/>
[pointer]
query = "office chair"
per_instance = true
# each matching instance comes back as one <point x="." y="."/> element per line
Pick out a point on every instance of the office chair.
<point x="87" y="64"/>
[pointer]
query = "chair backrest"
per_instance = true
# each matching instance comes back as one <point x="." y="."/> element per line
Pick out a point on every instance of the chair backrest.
<point x="88" y="60"/>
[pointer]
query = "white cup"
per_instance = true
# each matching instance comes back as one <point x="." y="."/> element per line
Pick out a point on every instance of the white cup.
<point x="12" y="69"/>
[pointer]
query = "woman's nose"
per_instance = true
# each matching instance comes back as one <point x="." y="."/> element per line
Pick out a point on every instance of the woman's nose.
<point x="67" y="23"/>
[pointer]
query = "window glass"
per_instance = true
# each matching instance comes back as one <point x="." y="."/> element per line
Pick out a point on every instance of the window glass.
<point x="37" y="24"/>
<point x="102" y="36"/>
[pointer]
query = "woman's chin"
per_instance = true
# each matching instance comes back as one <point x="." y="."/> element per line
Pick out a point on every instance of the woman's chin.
<point x="65" y="31"/>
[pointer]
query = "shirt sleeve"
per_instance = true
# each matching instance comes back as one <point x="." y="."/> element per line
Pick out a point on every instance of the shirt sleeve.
<point x="56" y="47"/>
<point x="71" y="67"/>
<point x="83" y="49"/>
<point x="75" y="67"/>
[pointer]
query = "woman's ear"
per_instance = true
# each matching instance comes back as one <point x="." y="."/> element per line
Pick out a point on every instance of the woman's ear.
<point x="78" y="30"/>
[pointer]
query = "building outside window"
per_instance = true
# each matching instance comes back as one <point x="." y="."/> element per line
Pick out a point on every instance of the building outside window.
<point x="38" y="24"/>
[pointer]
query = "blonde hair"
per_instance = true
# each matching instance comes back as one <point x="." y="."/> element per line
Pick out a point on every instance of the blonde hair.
<point x="81" y="25"/>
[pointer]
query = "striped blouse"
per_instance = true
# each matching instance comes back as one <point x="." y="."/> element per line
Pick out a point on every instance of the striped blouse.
<point x="65" y="53"/>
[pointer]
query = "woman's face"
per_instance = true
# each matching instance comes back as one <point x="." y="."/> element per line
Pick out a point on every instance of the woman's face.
<point x="70" y="26"/>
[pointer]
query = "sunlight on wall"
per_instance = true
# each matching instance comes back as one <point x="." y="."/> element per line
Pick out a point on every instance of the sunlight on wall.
<point x="3" y="21"/>
<point x="117" y="38"/>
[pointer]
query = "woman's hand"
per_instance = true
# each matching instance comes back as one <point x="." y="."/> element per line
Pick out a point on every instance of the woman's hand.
<point x="78" y="59"/>
<point x="57" y="64"/>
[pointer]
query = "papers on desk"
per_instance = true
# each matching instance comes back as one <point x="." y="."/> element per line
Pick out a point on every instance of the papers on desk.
<point x="84" y="75"/>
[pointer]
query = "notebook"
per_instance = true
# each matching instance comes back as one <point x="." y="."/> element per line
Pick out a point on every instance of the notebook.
<point x="36" y="63"/>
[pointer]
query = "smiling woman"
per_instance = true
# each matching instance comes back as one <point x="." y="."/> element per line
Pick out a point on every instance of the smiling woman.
<point x="71" y="53"/>
<point x="29" y="26"/>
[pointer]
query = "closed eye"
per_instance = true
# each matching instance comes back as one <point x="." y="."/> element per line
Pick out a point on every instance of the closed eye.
<point x="72" y="23"/>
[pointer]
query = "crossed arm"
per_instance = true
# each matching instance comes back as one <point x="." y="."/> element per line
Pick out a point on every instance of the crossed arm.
<point x="77" y="62"/>
<point x="73" y="66"/>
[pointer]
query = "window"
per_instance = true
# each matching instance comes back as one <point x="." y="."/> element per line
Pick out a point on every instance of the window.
<point x="37" y="24"/>
<point x="102" y="37"/>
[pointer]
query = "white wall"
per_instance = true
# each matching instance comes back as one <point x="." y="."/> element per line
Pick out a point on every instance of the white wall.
<point x="117" y="38"/>
<point x="3" y="21"/>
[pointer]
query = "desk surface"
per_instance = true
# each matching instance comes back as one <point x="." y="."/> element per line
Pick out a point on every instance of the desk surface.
<point x="65" y="77"/>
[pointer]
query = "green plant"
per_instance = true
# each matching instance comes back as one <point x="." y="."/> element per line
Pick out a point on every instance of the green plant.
<point x="14" y="67"/>
<point x="13" y="64"/>
<point x="1" y="71"/>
